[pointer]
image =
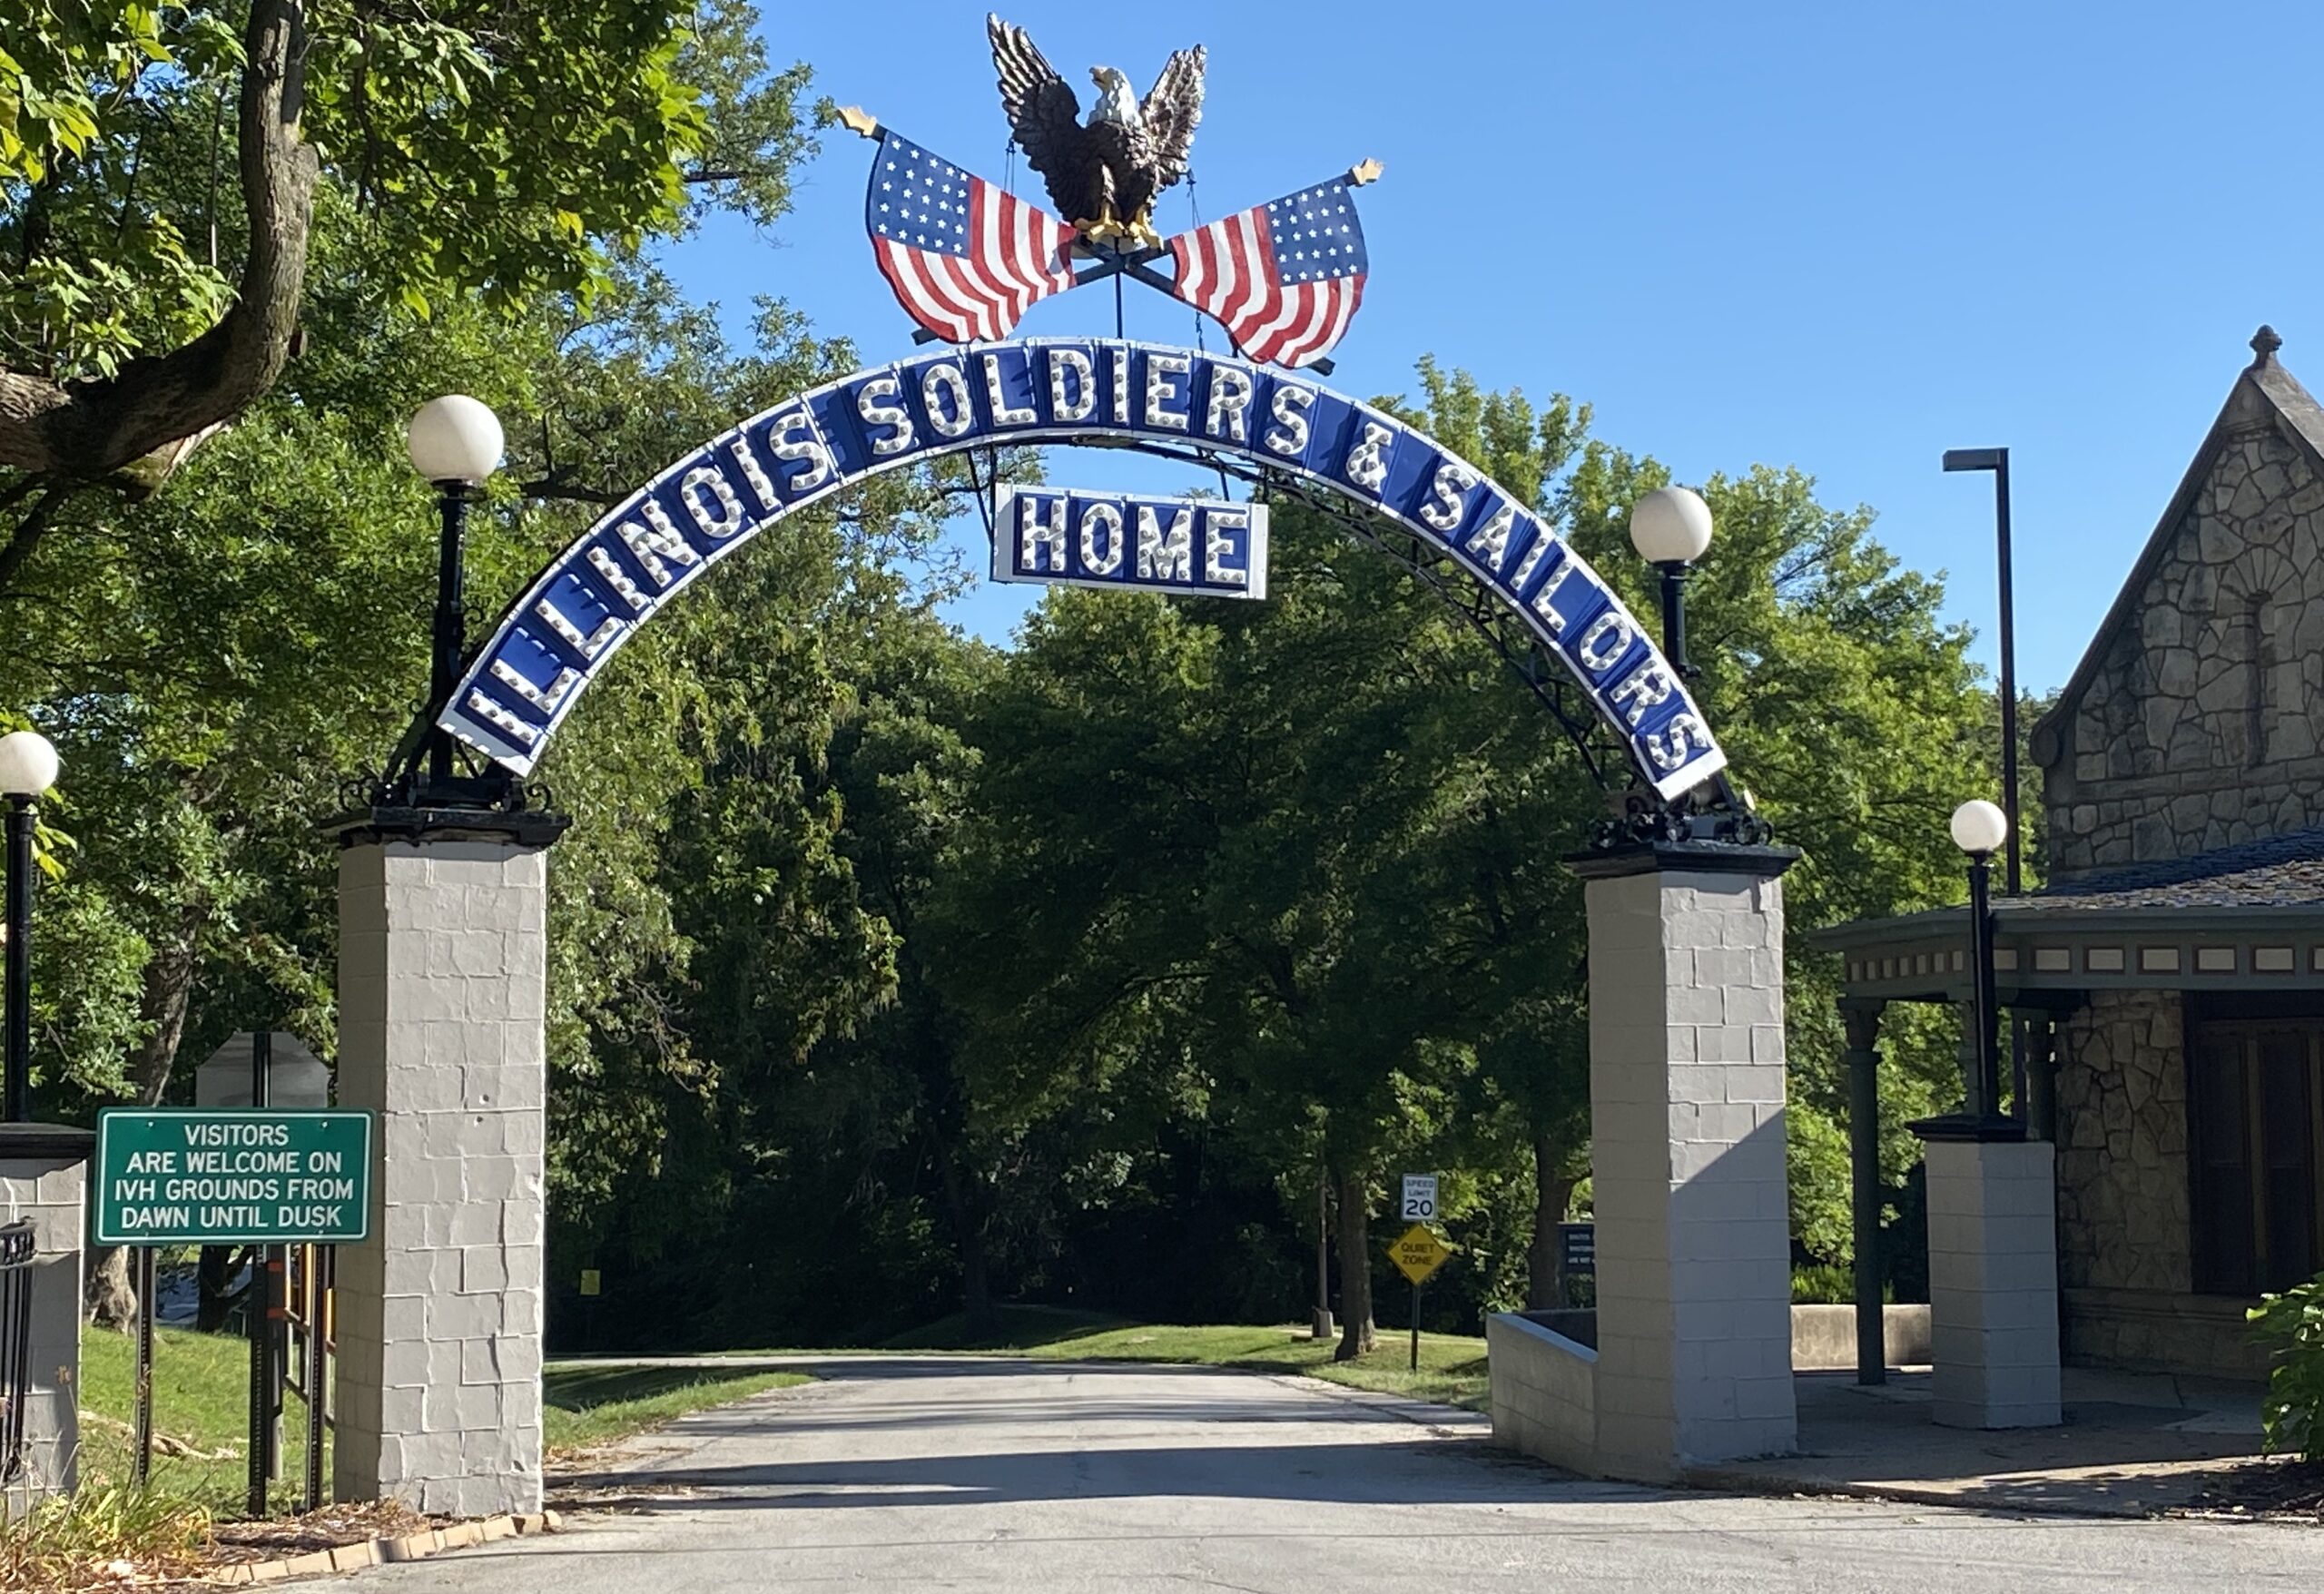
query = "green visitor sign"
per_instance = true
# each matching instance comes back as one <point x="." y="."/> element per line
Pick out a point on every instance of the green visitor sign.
<point x="231" y="1177"/>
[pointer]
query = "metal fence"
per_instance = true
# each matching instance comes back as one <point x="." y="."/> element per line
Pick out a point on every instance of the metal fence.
<point x="17" y="1251"/>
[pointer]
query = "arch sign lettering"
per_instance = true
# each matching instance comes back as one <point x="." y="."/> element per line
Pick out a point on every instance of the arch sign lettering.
<point x="615" y="578"/>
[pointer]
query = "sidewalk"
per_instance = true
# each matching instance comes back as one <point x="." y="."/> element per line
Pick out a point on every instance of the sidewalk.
<point x="2132" y="1444"/>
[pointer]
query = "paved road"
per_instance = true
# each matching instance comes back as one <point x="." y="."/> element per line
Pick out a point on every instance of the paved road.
<point x="925" y="1474"/>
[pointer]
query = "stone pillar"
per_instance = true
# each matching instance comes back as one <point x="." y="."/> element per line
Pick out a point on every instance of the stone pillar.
<point x="443" y="937"/>
<point x="43" y="1183"/>
<point x="1687" y="1155"/>
<point x="1993" y="1279"/>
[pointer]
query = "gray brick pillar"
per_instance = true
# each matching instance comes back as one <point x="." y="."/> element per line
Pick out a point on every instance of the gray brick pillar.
<point x="43" y="1183"/>
<point x="1992" y="1280"/>
<point x="1687" y="1155"/>
<point x="442" y="960"/>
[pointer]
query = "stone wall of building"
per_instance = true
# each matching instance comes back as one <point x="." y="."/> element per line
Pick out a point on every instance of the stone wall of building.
<point x="2203" y="725"/>
<point x="2123" y="1217"/>
<point x="2124" y="1231"/>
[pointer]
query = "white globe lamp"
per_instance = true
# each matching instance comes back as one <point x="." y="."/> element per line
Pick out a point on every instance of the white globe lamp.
<point x="27" y="764"/>
<point x="1979" y="828"/>
<point x="455" y="439"/>
<point x="1671" y="525"/>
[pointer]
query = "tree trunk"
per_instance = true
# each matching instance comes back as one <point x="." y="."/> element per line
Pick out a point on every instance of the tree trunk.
<point x="1553" y="1194"/>
<point x="1356" y="1335"/>
<point x="87" y="429"/>
<point x="162" y="1007"/>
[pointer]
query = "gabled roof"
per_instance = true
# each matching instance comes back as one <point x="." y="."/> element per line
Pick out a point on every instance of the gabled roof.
<point x="2263" y="393"/>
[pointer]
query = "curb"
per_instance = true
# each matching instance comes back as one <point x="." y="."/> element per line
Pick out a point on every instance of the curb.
<point x="1990" y="1503"/>
<point x="420" y="1546"/>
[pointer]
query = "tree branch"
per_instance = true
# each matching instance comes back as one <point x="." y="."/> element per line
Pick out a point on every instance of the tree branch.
<point x="88" y="429"/>
<point x="29" y="531"/>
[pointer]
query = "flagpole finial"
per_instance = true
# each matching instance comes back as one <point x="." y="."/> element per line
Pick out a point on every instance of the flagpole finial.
<point x="856" y="119"/>
<point x="1365" y="170"/>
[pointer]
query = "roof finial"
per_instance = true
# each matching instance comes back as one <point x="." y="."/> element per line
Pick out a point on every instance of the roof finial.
<point x="2264" y="343"/>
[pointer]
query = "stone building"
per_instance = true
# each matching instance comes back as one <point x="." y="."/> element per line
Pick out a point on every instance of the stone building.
<point x="2170" y="973"/>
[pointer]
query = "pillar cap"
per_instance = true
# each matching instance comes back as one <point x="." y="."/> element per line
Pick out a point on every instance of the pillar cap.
<point x="1982" y="1129"/>
<point x="46" y="1142"/>
<point x="527" y="827"/>
<point x="1682" y="858"/>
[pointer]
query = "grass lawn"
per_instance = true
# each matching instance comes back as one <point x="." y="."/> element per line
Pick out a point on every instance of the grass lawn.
<point x="201" y="1399"/>
<point x="201" y="1384"/>
<point x="594" y="1405"/>
<point x="1452" y="1367"/>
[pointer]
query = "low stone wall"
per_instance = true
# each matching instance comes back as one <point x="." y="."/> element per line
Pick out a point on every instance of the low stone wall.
<point x="2153" y="1332"/>
<point x="1544" y="1392"/>
<point x="1823" y="1337"/>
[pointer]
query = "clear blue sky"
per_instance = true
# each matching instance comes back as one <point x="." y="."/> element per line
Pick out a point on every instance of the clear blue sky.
<point x="1843" y="236"/>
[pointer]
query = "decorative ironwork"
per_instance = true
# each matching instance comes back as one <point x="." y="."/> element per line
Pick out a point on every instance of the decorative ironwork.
<point x="17" y="1249"/>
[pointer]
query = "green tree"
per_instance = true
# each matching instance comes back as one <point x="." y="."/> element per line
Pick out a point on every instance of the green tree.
<point x="166" y="171"/>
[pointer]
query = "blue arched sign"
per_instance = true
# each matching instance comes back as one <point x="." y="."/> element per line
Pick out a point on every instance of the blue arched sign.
<point x="617" y="575"/>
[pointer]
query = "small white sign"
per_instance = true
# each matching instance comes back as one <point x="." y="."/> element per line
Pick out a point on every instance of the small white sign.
<point x="1420" y="1197"/>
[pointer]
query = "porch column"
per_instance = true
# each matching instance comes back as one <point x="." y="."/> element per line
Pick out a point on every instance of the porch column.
<point x="1861" y="1019"/>
<point x="1993" y="1271"/>
<point x="1687" y="1155"/>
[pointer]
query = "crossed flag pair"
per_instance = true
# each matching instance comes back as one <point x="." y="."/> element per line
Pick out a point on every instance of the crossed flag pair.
<point x="967" y="258"/>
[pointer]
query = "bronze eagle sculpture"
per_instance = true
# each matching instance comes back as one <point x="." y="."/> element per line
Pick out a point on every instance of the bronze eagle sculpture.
<point x="1102" y="175"/>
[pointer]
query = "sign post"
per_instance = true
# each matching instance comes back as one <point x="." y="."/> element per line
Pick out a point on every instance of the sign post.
<point x="1417" y="1253"/>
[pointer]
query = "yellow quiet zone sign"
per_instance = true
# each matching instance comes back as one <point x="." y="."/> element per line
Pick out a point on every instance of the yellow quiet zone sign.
<point x="1417" y="1253"/>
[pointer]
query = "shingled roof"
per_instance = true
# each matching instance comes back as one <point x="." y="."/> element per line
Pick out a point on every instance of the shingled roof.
<point x="2264" y="393"/>
<point x="2276" y="872"/>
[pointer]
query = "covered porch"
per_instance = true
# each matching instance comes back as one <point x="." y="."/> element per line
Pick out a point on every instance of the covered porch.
<point x="2170" y="1047"/>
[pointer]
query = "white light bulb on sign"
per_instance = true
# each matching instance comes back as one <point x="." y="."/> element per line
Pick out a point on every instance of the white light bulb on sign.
<point x="1979" y="827"/>
<point x="455" y="439"/>
<point x="27" y="764"/>
<point x="1671" y="525"/>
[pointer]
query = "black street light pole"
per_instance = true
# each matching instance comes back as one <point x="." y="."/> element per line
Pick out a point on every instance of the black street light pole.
<point x="1674" y="615"/>
<point x="451" y="640"/>
<point x="21" y="812"/>
<point x="1998" y="461"/>
<point x="1986" y="1103"/>
<point x="28" y="769"/>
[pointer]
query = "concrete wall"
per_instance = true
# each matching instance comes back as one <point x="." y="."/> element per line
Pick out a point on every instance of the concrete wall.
<point x="50" y="1190"/>
<point x="1544" y="1392"/>
<point x="1823" y="1336"/>
<point x="442" y="975"/>
<point x="2204" y="724"/>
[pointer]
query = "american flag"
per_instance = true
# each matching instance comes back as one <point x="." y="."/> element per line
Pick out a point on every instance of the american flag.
<point x="1282" y="278"/>
<point x="965" y="259"/>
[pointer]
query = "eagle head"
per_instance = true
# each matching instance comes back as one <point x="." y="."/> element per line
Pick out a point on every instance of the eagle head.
<point x="1116" y="102"/>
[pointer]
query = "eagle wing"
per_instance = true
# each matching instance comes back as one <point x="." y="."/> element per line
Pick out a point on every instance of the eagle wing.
<point x="1043" y="114"/>
<point x="1172" y="110"/>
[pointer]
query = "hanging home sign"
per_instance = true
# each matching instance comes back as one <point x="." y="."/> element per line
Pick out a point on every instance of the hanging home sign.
<point x="1069" y="537"/>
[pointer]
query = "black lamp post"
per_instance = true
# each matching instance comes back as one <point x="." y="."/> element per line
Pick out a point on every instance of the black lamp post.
<point x="455" y="443"/>
<point x="1998" y="461"/>
<point x="27" y="770"/>
<point x="1671" y="528"/>
<point x="1979" y="829"/>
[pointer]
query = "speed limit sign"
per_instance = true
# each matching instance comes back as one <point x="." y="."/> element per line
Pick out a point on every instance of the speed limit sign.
<point x="1420" y="1197"/>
